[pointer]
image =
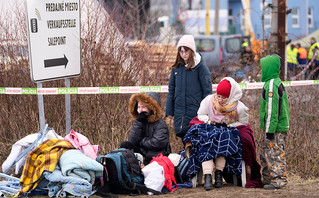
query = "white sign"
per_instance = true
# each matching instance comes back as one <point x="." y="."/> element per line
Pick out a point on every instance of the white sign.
<point x="54" y="38"/>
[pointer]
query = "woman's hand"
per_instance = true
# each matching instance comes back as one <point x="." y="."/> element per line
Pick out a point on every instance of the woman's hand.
<point x="142" y="117"/>
<point x="188" y="147"/>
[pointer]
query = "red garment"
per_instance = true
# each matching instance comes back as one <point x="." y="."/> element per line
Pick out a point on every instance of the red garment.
<point x="195" y="121"/>
<point x="223" y="88"/>
<point x="249" y="155"/>
<point x="169" y="171"/>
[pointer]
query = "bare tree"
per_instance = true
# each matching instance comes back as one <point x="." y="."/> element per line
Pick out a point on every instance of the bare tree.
<point x="134" y="14"/>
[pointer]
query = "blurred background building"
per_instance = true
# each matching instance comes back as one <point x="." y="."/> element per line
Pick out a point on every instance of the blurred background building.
<point x="189" y="16"/>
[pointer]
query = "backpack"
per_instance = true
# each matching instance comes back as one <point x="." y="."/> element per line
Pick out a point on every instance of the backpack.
<point x="183" y="167"/>
<point x="122" y="174"/>
<point x="169" y="171"/>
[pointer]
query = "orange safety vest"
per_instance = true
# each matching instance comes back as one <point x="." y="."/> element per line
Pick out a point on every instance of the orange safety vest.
<point x="303" y="53"/>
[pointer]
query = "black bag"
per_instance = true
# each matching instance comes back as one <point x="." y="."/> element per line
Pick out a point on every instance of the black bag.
<point x="122" y="174"/>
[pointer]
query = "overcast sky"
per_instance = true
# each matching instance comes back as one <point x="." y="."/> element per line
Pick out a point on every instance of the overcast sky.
<point x="9" y="5"/>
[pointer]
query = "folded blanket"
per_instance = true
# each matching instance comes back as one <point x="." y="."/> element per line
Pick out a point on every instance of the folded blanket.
<point x="74" y="163"/>
<point x="44" y="157"/>
<point x="249" y="155"/>
<point x="61" y="185"/>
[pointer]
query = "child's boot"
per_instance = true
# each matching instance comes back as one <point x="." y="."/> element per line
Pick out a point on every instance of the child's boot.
<point x="218" y="179"/>
<point x="208" y="182"/>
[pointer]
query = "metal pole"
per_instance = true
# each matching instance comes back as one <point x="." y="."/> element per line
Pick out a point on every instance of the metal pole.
<point x="67" y="108"/>
<point x="41" y="108"/>
<point x="216" y="23"/>
<point x="207" y="18"/>
<point x="307" y="25"/>
<point x="263" y="24"/>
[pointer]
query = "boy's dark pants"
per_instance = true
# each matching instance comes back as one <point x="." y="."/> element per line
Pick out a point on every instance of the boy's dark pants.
<point x="273" y="160"/>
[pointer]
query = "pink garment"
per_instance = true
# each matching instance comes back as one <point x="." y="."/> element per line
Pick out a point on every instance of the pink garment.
<point x="82" y="143"/>
<point x="217" y="117"/>
<point x="213" y="115"/>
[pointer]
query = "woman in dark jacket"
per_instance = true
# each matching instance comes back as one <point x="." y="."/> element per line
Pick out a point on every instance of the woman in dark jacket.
<point x="189" y="83"/>
<point x="149" y="134"/>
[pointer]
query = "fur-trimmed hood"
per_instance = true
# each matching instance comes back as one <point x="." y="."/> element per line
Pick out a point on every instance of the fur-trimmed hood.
<point x="153" y="102"/>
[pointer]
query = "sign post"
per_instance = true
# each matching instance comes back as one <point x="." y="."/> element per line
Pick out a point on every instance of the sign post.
<point x="41" y="109"/>
<point x="67" y="108"/>
<point x="54" y="45"/>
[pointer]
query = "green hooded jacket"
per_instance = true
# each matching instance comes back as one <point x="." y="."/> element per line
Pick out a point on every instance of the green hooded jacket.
<point x="274" y="108"/>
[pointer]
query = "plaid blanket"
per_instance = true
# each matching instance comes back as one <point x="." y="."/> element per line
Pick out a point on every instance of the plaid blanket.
<point x="211" y="142"/>
<point x="44" y="157"/>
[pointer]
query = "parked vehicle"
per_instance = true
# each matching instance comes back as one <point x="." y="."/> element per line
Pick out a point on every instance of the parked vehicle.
<point x="217" y="49"/>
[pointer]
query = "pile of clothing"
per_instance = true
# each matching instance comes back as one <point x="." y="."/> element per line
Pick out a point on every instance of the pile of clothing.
<point x="52" y="165"/>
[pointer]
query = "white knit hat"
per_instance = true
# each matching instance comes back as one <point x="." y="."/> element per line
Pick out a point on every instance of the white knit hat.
<point x="187" y="41"/>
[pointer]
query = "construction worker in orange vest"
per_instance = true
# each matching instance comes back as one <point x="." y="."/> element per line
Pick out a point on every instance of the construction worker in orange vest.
<point x="302" y="54"/>
<point x="302" y="57"/>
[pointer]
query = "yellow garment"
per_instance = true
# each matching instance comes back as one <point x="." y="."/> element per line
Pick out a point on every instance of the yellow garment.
<point x="245" y="44"/>
<point x="292" y="55"/>
<point x="310" y="53"/>
<point x="229" y="111"/>
<point x="44" y="157"/>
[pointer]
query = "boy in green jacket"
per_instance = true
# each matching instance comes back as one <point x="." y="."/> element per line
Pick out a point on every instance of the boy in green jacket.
<point x="274" y="120"/>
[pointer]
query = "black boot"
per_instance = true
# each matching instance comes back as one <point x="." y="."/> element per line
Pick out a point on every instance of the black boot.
<point x="218" y="179"/>
<point x="208" y="182"/>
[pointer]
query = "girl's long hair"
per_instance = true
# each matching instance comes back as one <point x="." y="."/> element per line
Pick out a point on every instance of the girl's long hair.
<point x="179" y="59"/>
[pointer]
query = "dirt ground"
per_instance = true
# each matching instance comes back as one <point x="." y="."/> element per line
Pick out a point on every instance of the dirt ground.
<point x="296" y="188"/>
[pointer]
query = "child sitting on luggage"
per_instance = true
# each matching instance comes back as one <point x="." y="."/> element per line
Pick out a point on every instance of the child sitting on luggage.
<point x="149" y="134"/>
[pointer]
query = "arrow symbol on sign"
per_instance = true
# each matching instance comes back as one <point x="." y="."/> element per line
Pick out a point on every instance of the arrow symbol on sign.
<point x="56" y="62"/>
